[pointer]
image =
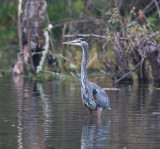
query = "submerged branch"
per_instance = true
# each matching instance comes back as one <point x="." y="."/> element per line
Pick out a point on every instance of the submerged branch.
<point x="128" y="72"/>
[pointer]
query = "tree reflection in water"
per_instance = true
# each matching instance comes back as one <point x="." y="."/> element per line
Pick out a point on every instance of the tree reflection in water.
<point x="30" y="132"/>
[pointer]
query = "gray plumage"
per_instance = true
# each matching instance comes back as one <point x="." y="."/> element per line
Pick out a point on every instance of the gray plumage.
<point x="100" y="97"/>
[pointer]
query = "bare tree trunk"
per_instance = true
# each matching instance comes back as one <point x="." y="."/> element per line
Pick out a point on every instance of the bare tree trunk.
<point x="20" y="25"/>
<point x="20" y="66"/>
<point x="32" y="30"/>
<point x="1" y="70"/>
<point x="142" y="72"/>
<point x="150" y="50"/>
<point x="153" y="54"/>
<point x="33" y="25"/>
<point x="121" y="61"/>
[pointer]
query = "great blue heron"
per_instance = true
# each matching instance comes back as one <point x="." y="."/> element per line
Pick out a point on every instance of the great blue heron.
<point x="93" y="96"/>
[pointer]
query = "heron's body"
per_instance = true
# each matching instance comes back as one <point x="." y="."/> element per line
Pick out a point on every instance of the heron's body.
<point x="100" y="98"/>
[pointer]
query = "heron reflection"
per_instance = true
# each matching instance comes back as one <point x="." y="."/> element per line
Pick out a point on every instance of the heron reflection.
<point x="95" y="136"/>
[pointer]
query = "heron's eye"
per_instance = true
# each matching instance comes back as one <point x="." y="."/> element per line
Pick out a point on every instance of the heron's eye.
<point x="82" y="40"/>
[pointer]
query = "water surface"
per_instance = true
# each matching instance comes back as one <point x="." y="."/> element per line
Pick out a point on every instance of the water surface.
<point x="50" y="115"/>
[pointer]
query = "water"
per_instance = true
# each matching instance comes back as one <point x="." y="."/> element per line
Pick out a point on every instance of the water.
<point x="50" y="115"/>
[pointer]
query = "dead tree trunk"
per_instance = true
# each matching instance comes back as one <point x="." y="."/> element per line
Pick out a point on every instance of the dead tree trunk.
<point x="1" y="70"/>
<point x="142" y="72"/>
<point x="150" y="50"/>
<point x="153" y="54"/>
<point x="32" y="34"/>
<point x="121" y="61"/>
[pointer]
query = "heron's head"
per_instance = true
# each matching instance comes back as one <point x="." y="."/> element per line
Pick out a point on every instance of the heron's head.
<point x="78" y="42"/>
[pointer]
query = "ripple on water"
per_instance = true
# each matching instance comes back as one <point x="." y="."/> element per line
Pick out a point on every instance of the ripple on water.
<point x="36" y="114"/>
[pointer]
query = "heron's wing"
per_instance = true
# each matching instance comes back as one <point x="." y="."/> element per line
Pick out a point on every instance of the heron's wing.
<point x="101" y="96"/>
<point x="87" y="97"/>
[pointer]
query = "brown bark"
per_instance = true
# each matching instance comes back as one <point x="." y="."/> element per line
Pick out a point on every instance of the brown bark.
<point x="142" y="72"/>
<point x="153" y="54"/>
<point x="1" y="70"/>
<point x="121" y="60"/>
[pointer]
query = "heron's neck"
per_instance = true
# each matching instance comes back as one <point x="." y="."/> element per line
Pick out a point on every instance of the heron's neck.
<point x="84" y="64"/>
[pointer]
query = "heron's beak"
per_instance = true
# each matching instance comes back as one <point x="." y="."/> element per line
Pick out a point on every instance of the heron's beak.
<point x="67" y="43"/>
<point x="73" y="42"/>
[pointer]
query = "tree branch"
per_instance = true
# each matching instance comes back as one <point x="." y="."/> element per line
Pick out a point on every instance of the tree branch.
<point x="92" y="35"/>
<point x="155" y="1"/>
<point x="20" y="25"/>
<point x="119" y="15"/>
<point x="66" y="59"/>
<point x="20" y="37"/>
<point x="128" y="72"/>
<point x="53" y="73"/>
<point x="148" y="6"/>
<point x="77" y="21"/>
<point x="46" y="46"/>
<point x="86" y="35"/>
